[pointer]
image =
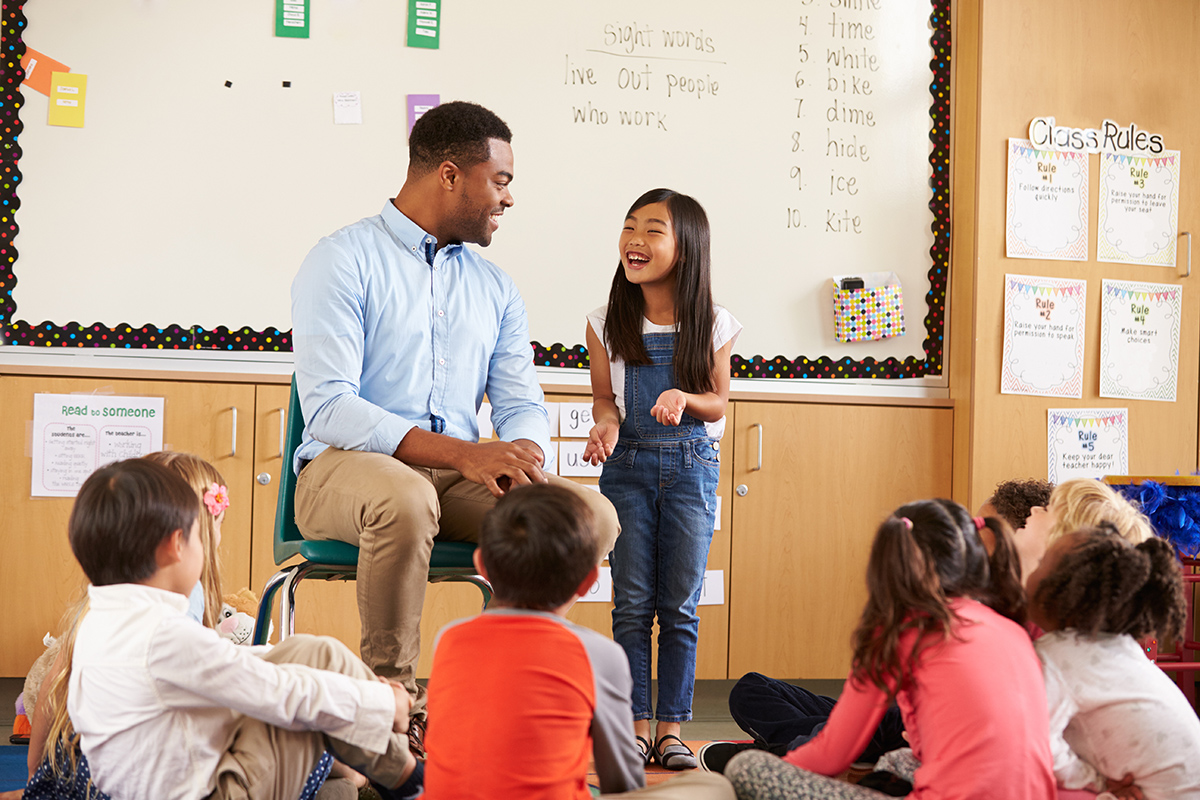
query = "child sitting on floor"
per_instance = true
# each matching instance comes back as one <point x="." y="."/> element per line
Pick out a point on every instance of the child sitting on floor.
<point x="1112" y="711"/>
<point x="149" y="687"/>
<point x="941" y="635"/>
<point x="519" y="697"/>
<point x="781" y="716"/>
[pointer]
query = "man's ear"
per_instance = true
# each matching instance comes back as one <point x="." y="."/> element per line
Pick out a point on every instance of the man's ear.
<point x="448" y="175"/>
<point x="586" y="586"/>
<point x="170" y="550"/>
<point x="478" y="560"/>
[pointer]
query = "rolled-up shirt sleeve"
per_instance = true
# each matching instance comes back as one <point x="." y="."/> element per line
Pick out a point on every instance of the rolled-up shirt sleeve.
<point x="329" y="336"/>
<point x="518" y="408"/>
<point x="291" y="696"/>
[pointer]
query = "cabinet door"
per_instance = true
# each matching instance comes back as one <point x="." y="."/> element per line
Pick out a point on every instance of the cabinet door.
<point x="38" y="572"/>
<point x="827" y="475"/>
<point x="327" y="608"/>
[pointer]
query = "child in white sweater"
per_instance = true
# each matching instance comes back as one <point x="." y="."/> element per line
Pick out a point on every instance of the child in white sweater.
<point x="1115" y="717"/>
<point x="166" y="708"/>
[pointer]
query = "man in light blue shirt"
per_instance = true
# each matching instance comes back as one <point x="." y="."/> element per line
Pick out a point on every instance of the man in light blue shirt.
<point x="399" y="331"/>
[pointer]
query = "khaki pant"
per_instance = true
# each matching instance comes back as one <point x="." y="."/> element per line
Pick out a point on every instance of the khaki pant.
<point x="393" y="512"/>
<point x="264" y="762"/>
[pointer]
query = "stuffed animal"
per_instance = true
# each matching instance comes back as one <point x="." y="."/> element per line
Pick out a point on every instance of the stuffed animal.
<point x="238" y="612"/>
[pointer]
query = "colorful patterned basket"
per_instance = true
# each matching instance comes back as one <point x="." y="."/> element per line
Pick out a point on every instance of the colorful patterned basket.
<point x="873" y="312"/>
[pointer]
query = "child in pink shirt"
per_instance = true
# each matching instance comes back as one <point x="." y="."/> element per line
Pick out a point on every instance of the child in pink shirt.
<point x="941" y="635"/>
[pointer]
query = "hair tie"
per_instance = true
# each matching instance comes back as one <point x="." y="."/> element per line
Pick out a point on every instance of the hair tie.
<point x="217" y="499"/>
<point x="907" y="522"/>
<point x="979" y="523"/>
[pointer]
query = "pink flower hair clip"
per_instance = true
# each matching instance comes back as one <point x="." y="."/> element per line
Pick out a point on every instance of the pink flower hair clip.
<point x="217" y="499"/>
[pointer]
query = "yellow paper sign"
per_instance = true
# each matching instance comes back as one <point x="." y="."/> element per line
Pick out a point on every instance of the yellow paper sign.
<point x="68" y="91"/>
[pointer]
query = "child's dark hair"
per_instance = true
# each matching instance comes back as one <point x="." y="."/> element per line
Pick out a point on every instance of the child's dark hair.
<point x="538" y="544"/>
<point x="1104" y="584"/>
<point x="457" y="132"/>
<point x="122" y="513"/>
<point x="694" y="357"/>
<point x="924" y="554"/>
<point x="1013" y="500"/>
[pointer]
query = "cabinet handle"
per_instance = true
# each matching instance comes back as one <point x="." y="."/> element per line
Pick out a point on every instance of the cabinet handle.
<point x="760" y="446"/>
<point x="282" y="429"/>
<point x="1189" y="269"/>
<point x="233" y="439"/>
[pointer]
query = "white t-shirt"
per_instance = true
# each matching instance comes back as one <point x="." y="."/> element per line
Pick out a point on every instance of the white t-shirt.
<point x="1112" y="712"/>
<point x="725" y="330"/>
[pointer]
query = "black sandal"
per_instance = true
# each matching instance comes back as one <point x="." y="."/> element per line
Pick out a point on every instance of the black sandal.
<point x="674" y="757"/>
<point x="647" y="751"/>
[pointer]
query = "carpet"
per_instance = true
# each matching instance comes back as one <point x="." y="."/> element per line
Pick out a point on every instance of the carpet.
<point x="13" y="769"/>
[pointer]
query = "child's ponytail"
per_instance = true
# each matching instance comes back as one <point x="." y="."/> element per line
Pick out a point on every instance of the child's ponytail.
<point x="925" y="554"/>
<point x="903" y="592"/>
<point x="1004" y="593"/>
<point x="1161" y="597"/>
<point x="1103" y="584"/>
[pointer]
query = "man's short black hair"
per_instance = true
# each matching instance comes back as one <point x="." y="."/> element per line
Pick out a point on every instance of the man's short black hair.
<point x="457" y="132"/>
<point x="537" y="545"/>
<point x="122" y="513"/>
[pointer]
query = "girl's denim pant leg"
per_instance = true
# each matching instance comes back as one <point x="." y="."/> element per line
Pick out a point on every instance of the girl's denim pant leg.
<point x="665" y="496"/>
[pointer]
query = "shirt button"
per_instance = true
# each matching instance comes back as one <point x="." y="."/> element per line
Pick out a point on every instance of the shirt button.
<point x="441" y="313"/>
<point x="441" y="361"/>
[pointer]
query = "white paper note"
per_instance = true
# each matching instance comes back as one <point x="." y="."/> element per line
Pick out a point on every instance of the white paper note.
<point x="602" y="589"/>
<point x="571" y="463"/>
<point x="347" y="108"/>
<point x="575" y="420"/>
<point x="74" y="434"/>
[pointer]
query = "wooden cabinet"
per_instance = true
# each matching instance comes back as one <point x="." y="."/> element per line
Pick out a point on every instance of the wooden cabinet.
<point x="38" y="572"/>
<point x="818" y="479"/>
<point x="792" y="550"/>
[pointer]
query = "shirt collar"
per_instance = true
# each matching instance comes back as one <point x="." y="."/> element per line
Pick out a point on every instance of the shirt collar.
<point x="410" y="234"/>
<point x="120" y="594"/>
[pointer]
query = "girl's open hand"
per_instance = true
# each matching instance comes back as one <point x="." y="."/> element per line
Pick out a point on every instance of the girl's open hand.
<point x="669" y="408"/>
<point x="601" y="441"/>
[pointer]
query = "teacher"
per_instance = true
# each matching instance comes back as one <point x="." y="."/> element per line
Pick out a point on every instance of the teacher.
<point x="399" y="331"/>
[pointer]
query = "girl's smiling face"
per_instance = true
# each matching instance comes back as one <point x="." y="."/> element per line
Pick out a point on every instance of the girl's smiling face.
<point x="647" y="245"/>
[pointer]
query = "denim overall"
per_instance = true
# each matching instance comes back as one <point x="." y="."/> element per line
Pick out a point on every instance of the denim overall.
<point x="662" y="480"/>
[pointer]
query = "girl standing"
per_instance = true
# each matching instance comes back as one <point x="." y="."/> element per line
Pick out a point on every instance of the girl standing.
<point x="659" y="356"/>
<point x="1115" y="717"/>
<point x="941" y="635"/>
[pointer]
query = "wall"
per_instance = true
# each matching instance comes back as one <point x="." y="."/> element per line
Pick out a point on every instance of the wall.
<point x="1081" y="61"/>
<point x="804" y="129"/>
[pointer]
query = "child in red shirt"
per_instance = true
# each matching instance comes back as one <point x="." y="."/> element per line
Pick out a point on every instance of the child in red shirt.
<point x="519" y="697"/>
<point x="941" y="635"/>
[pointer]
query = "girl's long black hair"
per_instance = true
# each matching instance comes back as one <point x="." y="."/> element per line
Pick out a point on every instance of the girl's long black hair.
<point x="924" y="555"/>
<point x="694" y="315"/>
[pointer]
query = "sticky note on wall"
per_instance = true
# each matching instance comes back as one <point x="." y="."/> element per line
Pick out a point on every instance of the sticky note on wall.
<point x="424" y="23"/>
<point x="38" y="69"/>
<point x="68" y="92"/>
<point x="291" y="18"/>
<point x="418" y="104"/>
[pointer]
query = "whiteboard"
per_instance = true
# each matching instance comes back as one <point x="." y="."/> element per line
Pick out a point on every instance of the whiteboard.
<point x="802" y="126"/>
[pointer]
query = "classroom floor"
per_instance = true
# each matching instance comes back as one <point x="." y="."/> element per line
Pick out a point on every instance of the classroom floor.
<point x="710" y="709"/>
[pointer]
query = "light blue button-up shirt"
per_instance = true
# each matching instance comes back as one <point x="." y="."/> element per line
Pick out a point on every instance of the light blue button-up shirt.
<point x="384" y="340"/>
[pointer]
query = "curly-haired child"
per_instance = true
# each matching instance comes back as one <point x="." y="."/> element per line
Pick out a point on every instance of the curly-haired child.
<point x="1114" y="715"/>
